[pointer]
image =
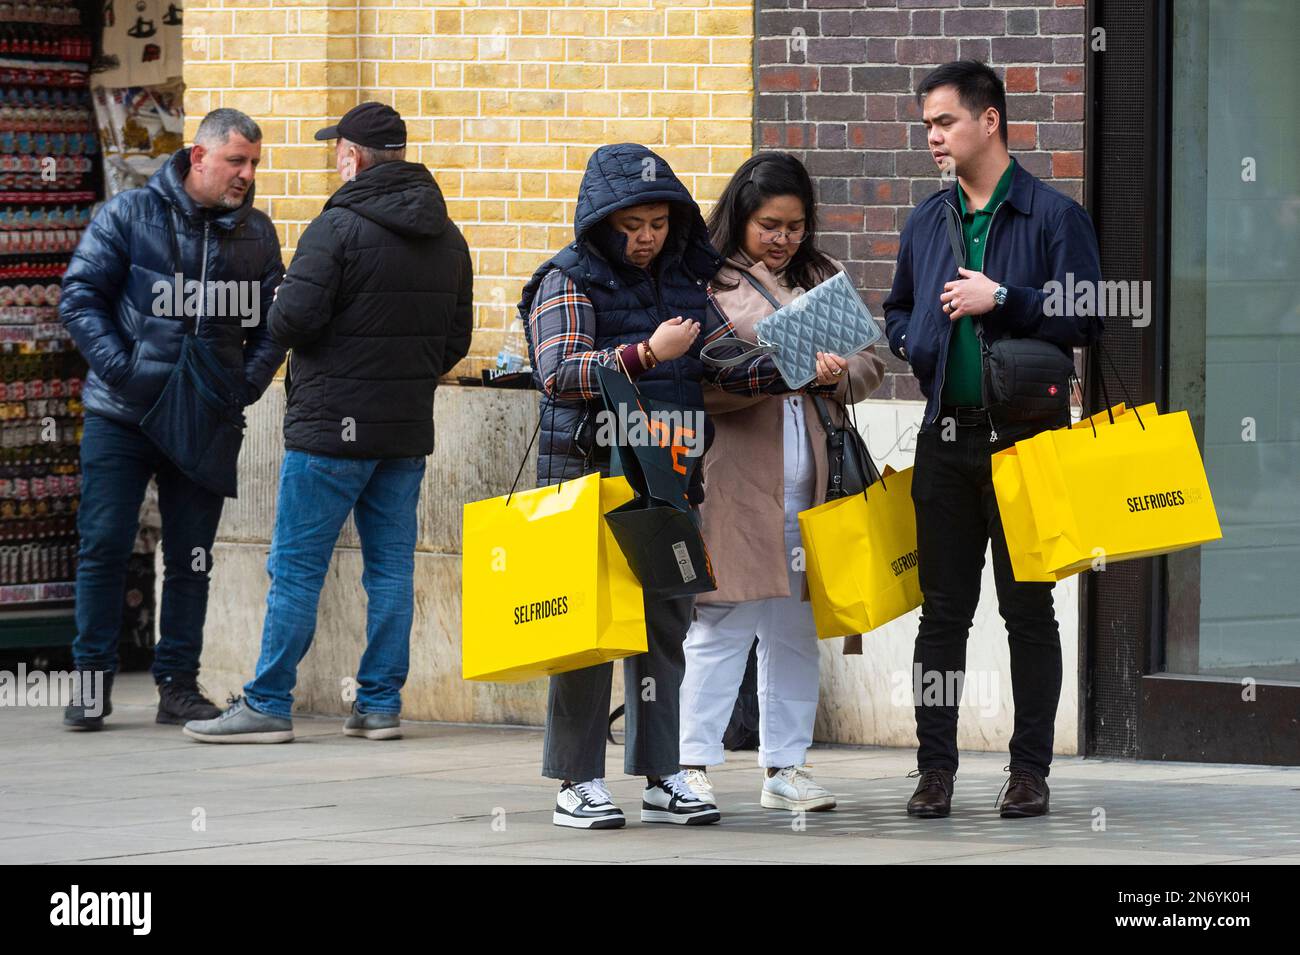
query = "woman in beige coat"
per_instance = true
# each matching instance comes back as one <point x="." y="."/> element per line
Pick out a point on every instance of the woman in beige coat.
<point x="767" y="463"/>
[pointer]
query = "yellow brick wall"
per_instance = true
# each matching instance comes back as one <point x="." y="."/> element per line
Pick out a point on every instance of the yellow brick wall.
<point x="504" y="101"/>
<point x="293" y="68"/>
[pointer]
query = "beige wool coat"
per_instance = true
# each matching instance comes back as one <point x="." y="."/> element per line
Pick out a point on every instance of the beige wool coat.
<point x="743" y="513"/>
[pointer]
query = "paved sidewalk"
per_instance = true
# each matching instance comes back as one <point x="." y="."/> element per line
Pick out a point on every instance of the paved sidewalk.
<point x="142" y="793"/>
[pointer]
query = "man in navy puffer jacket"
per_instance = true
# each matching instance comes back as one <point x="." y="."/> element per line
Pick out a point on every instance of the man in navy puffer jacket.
<point x="120" y="306"/>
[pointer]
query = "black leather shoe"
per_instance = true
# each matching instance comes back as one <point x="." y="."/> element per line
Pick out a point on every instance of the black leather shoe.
<point x="1027" y="795"/>
<point x="180" y="701"/>
<point x="933" y="796"/>
<point x="90" y="702"/>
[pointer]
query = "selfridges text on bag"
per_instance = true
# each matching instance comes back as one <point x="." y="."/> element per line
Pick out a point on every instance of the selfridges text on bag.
<point x="545" y="587"/>
<point x="861" y="557"/>
<point x="1129" y="488"/>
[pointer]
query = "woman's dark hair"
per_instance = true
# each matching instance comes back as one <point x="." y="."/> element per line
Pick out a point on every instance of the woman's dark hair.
<point x="759" y="178"/>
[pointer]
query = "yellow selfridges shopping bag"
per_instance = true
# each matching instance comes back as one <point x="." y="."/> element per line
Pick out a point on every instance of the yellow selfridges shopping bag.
<point x="544" y="585"/>
<point x="1026" y="551"/>
<point x="860" y="554"/>
<point x="1027" y="561"/>
<point x="1129" y="489"/>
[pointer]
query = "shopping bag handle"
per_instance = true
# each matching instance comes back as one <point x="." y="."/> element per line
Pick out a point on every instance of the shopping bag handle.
<point x="1120" y="378"/>
<point x="1105" y="394"/>
<point x="531" y="441"/>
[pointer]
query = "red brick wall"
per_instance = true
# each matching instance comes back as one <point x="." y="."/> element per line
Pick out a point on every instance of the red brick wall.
<point x="836" y="82"/>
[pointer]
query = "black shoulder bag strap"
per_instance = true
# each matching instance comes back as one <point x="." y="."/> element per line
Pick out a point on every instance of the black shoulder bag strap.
<point x="834" y="444"/>
<point x="191" y="327"/>
<point x="761" y="290"/>
<point x="958" y="244"/>
<point x="954" y="237"/>
<point x="959" y="253"/>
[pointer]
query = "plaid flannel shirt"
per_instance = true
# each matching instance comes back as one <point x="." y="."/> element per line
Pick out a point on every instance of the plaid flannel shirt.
<point x="562" y="325"/>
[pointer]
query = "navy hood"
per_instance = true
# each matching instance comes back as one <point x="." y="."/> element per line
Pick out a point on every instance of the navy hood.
<point x="629" y="174"/>
<point x="618" y="176"/>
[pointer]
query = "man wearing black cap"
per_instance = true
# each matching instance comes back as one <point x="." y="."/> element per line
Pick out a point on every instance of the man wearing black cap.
<point x="376" y="306"/>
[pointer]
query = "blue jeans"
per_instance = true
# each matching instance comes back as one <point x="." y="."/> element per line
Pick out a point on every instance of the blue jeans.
<point x="317" y="492"/>
<point x="117" y="461"/>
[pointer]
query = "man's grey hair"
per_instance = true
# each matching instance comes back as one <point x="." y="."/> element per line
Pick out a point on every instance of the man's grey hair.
<point x="217" y="126"/>
<point x="372" y="157"/>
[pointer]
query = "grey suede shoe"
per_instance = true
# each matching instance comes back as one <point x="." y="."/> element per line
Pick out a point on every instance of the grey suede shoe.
<point x="373" y="725"/>
<point x="241" y="724"/>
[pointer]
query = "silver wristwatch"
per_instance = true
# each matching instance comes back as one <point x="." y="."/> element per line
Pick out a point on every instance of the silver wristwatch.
<point x="999" y="296"/>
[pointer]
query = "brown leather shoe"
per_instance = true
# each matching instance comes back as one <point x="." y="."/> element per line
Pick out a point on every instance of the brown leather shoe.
<point x="1027" y="795"/>
<point x="933" y="796"/>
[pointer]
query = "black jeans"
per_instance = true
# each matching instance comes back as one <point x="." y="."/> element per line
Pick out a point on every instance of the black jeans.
<point x="956" y="517"/>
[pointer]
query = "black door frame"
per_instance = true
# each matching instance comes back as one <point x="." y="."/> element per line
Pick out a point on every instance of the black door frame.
<point x="1130" y="706"/>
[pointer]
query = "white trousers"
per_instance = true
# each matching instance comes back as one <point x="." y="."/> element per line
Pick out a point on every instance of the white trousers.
<point x="718" y="642"/>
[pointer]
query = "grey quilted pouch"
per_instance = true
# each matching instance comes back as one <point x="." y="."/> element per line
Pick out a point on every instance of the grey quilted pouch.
<point x="829" y="318"/>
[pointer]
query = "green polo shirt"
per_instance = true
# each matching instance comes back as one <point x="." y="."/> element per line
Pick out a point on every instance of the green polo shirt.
<point x="961" y="382"/>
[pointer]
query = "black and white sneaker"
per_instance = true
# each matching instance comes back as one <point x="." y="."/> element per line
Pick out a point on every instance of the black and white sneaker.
<point x="587" y="805"/>
<point x="672" y="799"/>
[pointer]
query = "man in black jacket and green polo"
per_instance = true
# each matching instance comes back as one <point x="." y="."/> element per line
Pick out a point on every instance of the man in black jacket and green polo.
<point x="376" y="306"/>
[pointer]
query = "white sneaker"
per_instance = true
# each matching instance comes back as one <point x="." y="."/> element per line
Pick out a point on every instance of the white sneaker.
<point x="794" y="788"/>
<point x="699" y="781"/>
<point x="587" y="805"/>
<point x="673" y="800"/>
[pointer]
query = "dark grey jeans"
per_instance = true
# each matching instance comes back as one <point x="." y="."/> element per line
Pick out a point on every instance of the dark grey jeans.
<point x="577" y="707"/>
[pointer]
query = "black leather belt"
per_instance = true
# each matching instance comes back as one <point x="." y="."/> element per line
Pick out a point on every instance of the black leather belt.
<point x="966" y="417"/>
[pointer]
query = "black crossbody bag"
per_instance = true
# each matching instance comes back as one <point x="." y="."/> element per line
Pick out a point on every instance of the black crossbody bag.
<point x="1022" y="379"/>
<point x="851" y="467"/>
<point x="198" y="419"/>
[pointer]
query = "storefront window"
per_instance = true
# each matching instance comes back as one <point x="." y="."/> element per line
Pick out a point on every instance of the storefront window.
<point x="1234" y="335"/>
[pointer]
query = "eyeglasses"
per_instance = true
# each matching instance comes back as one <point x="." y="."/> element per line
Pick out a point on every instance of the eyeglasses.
<point x="771" y="235"/>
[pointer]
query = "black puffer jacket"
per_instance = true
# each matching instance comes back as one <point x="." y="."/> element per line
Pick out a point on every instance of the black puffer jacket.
<point x="377" y="304"/>
<point x="111" y="309"/>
